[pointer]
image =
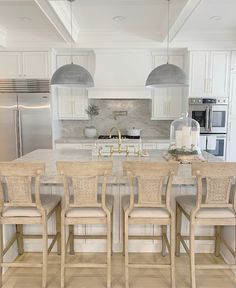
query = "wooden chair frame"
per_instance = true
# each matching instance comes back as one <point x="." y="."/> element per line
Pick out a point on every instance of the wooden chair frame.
<point x="84" y="169"/>
<point x="204" y="171"/>
<point x="17" y="172"/>
<point x="136" y="169"/>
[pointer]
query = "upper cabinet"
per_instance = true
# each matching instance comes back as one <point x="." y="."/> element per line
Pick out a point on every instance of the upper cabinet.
<point x="72" y="102"/>
<point x="209" y="74"/>
<point x="24" y="65"/>
<point x="168" y="103"/>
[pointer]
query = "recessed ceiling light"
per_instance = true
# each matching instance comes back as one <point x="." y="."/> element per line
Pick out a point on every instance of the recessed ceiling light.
<point x="118" y="18"/>
<point x="215" y="18"/>
<point x="25" y="19"/>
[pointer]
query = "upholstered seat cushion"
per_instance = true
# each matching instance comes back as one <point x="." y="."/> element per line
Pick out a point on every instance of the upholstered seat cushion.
<point x="49" y="202"/>
<point x="144" y="212"/>
<point x="91" y="212"/>
<point x="187" y="202"/>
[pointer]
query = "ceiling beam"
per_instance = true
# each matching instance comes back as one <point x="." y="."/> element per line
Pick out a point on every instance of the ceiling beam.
<point x="3" y="37"/>
<point x="183" y="17"/>
<point x="58" y="13"/>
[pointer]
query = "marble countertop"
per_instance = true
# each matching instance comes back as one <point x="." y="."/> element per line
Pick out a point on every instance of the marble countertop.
<point x="50" y="157"/>
<point x="93" y="140"/>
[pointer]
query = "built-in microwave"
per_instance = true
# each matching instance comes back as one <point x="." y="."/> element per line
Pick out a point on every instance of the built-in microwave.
<point x="211" y="114"/>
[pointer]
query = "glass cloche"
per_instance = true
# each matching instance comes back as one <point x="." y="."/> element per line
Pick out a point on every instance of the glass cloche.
<point x="184" y="136"/>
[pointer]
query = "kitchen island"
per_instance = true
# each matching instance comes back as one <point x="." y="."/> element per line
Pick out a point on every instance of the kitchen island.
<point x="117" y="186"/>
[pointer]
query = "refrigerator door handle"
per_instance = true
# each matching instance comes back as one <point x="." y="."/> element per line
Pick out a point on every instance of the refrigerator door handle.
<point x="20" y="134"/>
<point x="207" y="119"/>
<point x="210" y="119"/>
<point x="16" y="122"/>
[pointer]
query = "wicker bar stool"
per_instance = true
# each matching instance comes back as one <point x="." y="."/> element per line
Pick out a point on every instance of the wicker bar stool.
<point x="85" y="206"/>
<point x="21" y="203"/>
<point x="151" y="206"/>
<point x="214" y="205"/>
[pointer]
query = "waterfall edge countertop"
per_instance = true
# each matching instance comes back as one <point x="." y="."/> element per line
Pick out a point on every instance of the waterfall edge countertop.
<point x="50" y="157"/>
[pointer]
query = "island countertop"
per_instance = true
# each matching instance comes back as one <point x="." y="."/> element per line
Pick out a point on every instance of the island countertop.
<point x="50" y="157"/>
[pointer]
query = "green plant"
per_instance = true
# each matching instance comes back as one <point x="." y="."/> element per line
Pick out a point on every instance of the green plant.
<point x="92" y="110"/>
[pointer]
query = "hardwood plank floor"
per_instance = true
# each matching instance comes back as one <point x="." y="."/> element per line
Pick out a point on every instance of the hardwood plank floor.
<point x="139" y="278"/>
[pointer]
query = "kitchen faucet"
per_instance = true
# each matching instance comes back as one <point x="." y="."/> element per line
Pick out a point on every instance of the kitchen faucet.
<point x="119" y="150"/>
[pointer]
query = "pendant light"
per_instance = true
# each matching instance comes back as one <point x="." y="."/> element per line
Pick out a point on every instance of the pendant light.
<point x="72" y="75"/>
<point x="167" y="75"/>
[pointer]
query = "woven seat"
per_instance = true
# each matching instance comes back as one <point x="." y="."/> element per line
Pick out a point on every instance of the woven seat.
<point x="188" y="202"/>
<point x="151" y="205"/>
<point x="49" y="202"/>
<point x="212" y="206"/>
<point x="24" y="207"/>
<point x="85" y="206"/>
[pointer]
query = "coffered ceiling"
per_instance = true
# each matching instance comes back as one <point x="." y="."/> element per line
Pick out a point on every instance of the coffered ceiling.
<point x="115" y="23"/>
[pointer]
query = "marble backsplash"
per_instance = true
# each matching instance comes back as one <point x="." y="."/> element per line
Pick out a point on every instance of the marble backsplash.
<point x="138" y="116"/>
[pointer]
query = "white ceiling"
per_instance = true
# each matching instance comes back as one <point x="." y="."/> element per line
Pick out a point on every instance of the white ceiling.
<point x="144" y="24"/>
<point x="142" y="18"/>
<point x="201" y="27"/>
<point x="25" y="23"/>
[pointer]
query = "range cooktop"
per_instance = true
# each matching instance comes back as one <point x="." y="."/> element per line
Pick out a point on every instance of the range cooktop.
<point x="116" y="137"/>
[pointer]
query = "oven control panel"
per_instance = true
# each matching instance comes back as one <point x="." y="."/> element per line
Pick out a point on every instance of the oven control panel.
<point x="216" y="101"/>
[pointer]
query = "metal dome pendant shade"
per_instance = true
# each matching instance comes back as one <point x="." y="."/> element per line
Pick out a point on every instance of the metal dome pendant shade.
<point x="167" y="75"/>
<point x="72" y="75"/>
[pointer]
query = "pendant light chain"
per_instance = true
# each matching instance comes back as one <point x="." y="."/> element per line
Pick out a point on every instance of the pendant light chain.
<point x="71" y="30"/>
<point x="168" y="35"/>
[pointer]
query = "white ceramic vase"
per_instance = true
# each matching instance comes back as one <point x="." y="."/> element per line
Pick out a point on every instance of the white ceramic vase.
<point x="90" y="132"/>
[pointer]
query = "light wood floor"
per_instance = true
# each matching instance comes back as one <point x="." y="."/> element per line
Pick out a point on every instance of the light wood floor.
<point x="94" y="278"/>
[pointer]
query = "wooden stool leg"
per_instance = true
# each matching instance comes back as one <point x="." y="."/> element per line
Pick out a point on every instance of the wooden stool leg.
<point x="192" y="256"/>
<point x="63" y="253"/>
<point x="172" y="251"/>
<point x="1" y="253"/>
<point x="20" y="242"/>
<point x="71" y="234"/>
<point x="178" y="229"/>
<point x="126" y="252"/>
<point x="123" y="230"/>
<point x="218" y="240"/>
<point x="58" y="227"/>
<point x="108" y="252"/>
<point x="164" y="234"/>
<point x="45" y="254"/>
<point x="111" y="231"/>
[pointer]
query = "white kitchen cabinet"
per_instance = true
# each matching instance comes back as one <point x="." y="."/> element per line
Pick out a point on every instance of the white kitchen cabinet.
<point x="35" y="64"/>
<point x="10" y="65"/>
<point x="209" y="74"/>
<point x="233" y="62"/>
<point x="72" y="102"/>
<point x="231" y="143"/>
<point x="24" y="65"/>
<point x="167" y="103"/>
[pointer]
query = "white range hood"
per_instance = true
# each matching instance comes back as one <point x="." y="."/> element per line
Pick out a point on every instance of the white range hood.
<point x="121" y="74"/>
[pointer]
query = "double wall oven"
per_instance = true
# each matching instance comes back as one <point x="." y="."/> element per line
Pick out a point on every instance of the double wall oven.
<point x="211" y="114"/>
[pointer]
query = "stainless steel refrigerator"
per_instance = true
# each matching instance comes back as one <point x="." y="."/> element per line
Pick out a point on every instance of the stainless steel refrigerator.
<point x="25" y="117"/>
